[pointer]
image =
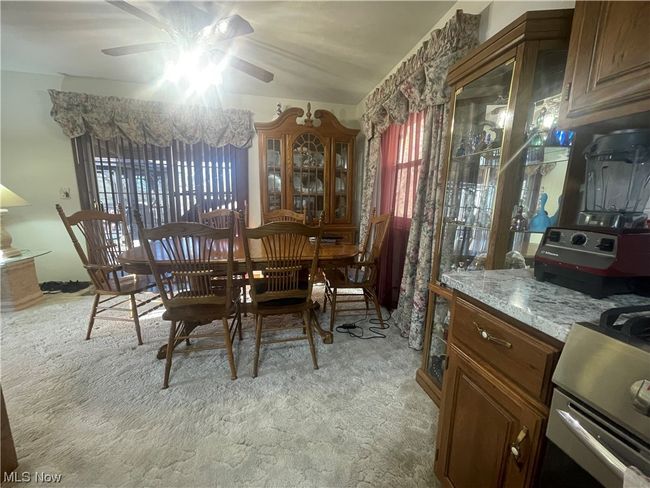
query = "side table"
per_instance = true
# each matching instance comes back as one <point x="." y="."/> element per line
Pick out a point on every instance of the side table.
<point x="18" y="281"/>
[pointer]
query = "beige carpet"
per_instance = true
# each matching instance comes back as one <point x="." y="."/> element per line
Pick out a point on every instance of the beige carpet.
<point x="94" y="411"/>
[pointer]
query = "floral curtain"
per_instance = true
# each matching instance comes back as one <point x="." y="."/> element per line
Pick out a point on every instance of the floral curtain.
<point x="418" y="84"/>
<point x="147" y="122"/>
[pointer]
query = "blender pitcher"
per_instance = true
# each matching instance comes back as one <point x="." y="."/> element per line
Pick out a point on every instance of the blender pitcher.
<point x="617" y="180"/>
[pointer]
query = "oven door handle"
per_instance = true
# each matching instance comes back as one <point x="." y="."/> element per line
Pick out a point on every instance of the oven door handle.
<point x="592" y="443"/>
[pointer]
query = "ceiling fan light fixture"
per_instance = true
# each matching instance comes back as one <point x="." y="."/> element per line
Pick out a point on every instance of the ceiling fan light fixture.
<point x="223" y="26"/>
<point x="193" y="68"/>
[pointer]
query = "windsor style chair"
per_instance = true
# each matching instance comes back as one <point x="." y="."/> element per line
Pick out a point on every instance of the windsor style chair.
<point x="223" y="218"/>
<point x="107" y="236"/>
<point x="286" y="281"/>
<point x="362" y="274"/>
<point x="196" y="288"/>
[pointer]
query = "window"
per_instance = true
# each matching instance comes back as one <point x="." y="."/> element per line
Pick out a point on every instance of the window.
<point x="401" y="156"/>
<point x="407" y="157"/>
<point x="165" y="184"/>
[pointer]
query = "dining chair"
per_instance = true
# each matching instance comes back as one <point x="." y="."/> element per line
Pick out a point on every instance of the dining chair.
<point x="362" y="274"/>
<point x="223" y="218"/>
<point x="106" y="236"/>
<point x="285" y="284"/>
<point x="184" y="263"/>
<point x="284" y="215"/>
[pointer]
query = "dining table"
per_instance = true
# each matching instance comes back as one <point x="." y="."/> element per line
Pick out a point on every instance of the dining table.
<point x="135" y="261"/>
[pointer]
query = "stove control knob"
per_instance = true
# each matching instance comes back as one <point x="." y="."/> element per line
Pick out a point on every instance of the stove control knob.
<point x="640" y="391"/>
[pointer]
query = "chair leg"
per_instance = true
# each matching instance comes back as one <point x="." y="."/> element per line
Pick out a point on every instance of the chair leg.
<point x="170" y="351"/>
<point x="333" y="311"/>
<point x="245" y="306"/>
<point x="136" y="319"/>
<point x="231" y="357"/>
<point x="93" y="312"/>
<point x="239" y="324"/>
<point x="325" y="299"/>
<point x="258" y="341"/>
<point x="365" y="297"/>
<point x="306" y="318"/>
<point x="378" y="309"/>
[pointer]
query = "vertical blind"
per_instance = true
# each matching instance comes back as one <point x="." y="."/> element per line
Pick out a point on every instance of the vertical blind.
<point x="165" y="184"/>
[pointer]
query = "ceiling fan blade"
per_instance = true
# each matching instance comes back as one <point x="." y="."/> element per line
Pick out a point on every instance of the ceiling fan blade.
<point x="141" y="14"/>
<point x="246" y="67"/>
<point x="138" y="48"/>
<point x="226" y="28"/>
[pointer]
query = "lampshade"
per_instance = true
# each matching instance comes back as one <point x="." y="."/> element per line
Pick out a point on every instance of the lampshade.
<point x="10" y="199"/>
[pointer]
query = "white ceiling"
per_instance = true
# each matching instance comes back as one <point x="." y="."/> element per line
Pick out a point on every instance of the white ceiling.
<point x="326" y="51"/>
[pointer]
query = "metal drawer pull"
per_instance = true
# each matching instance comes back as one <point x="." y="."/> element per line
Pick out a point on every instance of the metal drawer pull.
<point x="489" y="337"/>
<point x="592" y="443"/>
<point x="516" y="448"/>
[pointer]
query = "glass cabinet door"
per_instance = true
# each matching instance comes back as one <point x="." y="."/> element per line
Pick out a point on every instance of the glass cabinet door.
<point x="273" y="175"/>
<point x="308" y="157"/>
<point x="545" y="161"/>
<point x="480" y="113"/>
<point x="342" y="182"/>
<point x="438" y="318"/>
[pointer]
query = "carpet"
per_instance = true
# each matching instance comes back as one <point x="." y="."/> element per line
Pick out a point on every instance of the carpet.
<point x="94" y="411"/>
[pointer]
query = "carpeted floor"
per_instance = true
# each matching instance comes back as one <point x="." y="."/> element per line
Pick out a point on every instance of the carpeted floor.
<point x="94" y="411"/>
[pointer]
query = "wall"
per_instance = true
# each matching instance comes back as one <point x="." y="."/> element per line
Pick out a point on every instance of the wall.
<point x="36" y="158"/>
<point x="495" y="15"/>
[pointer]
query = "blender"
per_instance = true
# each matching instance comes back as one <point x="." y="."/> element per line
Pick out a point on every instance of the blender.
<point x="608" y="250"/>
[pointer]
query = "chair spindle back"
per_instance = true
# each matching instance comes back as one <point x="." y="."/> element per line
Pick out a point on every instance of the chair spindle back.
<point x="106" y="236"/>
<point x="291" y="260"/>
<point x="284" y="215"/>
<point x="184" y="263"/>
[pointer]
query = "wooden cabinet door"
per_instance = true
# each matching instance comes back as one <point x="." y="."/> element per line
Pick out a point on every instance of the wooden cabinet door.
<point x="608" y="66"/>
<point x="482" y="424"/>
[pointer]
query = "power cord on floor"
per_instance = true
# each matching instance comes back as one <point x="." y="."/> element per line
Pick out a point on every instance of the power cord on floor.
<point x="378" y="333"/>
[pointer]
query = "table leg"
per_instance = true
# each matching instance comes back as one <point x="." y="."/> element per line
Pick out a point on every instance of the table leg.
<point x="188" y="327"/>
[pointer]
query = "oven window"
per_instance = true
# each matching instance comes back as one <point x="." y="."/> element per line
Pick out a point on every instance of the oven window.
<point x="560" y="471"/>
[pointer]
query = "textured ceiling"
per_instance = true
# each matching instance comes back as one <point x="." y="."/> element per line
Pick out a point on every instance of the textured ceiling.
<point x="327" y="51"/>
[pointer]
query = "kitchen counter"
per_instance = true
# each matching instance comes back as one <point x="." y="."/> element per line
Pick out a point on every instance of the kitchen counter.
<point x="548" y="308"/>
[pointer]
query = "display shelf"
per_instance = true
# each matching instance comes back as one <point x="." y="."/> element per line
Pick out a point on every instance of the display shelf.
<point x="478" y="153"/>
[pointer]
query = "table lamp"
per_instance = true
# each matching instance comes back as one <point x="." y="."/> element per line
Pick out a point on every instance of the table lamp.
<point x="8" y="199"/>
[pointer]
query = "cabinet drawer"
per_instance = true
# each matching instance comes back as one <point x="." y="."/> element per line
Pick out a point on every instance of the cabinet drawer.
<point x="524" y="360"/>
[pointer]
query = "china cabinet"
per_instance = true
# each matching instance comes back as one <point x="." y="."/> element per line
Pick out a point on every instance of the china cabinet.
<point x="307" y="165"/>
<point x="506" y="167"/>
<point x="608" y="68"/>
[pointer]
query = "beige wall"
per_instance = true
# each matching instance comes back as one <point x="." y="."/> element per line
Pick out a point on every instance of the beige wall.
<point x="36" y="158"/>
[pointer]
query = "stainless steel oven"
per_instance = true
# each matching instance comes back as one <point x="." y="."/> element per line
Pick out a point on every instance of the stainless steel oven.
<point x="600" y="411"/>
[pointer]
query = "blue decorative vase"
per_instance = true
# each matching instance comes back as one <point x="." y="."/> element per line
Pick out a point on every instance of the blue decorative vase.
<point x="540" y="220"/>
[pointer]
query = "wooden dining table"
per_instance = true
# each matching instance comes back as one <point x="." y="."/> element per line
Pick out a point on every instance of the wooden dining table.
<point x="330" y="255"/>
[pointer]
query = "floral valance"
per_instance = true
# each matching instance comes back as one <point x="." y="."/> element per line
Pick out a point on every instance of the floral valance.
<point x="420" y="81"/>
<point x="151" y="122"/>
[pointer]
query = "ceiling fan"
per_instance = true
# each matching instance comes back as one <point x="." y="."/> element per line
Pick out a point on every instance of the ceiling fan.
<point x="191" y="27"/>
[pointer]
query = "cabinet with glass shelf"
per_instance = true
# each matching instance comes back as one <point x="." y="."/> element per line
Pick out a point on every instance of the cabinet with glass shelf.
<point x="307" y="165"/>
<point x="504" y="152"/>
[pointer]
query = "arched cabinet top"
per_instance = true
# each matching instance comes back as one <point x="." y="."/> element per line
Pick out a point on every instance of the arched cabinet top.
<point x="294" y="119"/>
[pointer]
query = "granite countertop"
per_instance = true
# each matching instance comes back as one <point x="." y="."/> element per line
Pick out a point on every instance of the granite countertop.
<point x="548" y="308"/>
